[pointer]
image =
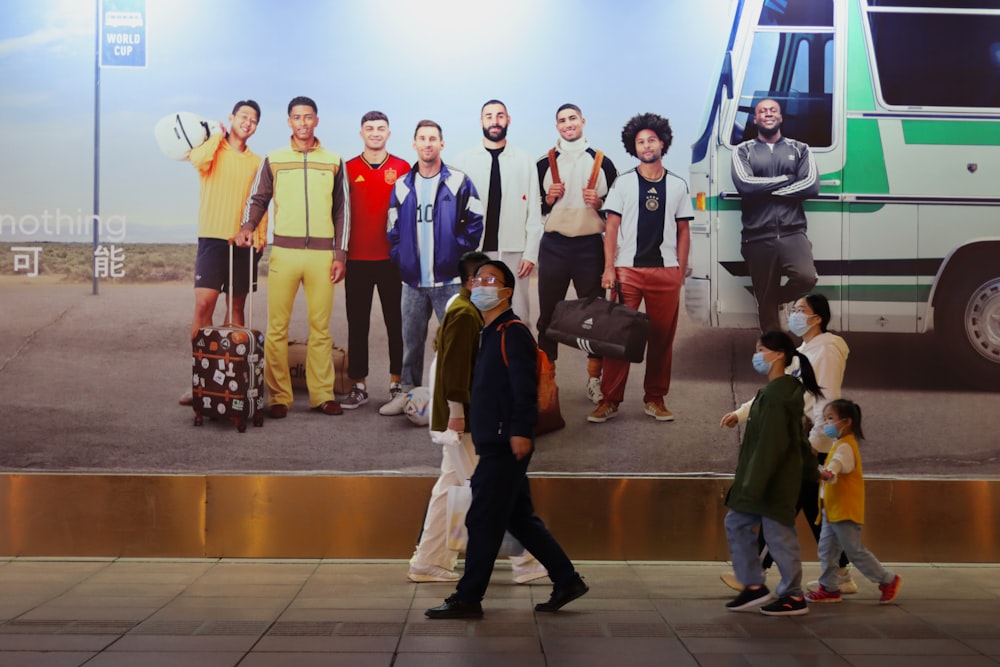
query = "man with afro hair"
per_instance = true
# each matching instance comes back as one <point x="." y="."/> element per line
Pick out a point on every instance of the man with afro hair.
<point x="646" y="245"/>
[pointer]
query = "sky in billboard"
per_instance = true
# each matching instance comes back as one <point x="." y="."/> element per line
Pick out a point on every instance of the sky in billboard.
<point x="439" y="59"/>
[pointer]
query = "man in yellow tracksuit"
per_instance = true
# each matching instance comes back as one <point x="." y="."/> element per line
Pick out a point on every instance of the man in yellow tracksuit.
<point x="311" y="229"/>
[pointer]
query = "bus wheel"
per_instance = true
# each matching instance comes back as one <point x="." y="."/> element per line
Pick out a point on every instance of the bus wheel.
<point x="969" y="322"/>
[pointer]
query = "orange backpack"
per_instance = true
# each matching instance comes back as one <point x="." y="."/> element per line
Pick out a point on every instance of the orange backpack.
<point x="549" y="416"/>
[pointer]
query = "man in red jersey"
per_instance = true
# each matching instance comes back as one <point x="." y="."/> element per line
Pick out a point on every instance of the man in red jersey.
<point x="371" y="177"/>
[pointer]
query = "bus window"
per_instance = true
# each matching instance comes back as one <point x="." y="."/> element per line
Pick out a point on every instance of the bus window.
<point x="936" y="59"/>
<point x="796" y="69"/>
<point x="797" y="13"/>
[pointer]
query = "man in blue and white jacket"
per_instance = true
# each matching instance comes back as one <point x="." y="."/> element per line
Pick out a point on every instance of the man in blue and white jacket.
<point x="435" y="217"/>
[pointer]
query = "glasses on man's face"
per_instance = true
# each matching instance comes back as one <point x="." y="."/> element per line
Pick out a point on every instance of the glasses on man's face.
<point x="488" y="280"/>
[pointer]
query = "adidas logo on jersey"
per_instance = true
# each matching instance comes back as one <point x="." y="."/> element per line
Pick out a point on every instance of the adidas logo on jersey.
<point x="359" y="179"/>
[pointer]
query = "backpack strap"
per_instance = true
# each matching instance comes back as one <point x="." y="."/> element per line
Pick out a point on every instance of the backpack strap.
<point x="595" y="171"/>
<point x="553" y="166"/>
<point x="503" y="337"/>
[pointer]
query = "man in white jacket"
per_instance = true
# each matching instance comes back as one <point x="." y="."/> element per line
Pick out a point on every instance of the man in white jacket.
<point x="507" y="183"/>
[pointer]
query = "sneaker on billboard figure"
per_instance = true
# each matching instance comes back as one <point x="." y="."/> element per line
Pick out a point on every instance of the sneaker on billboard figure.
<point x="397" y="401"/>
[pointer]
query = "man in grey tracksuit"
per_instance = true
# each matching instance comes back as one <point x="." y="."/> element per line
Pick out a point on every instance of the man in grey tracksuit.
<point x="774" y="174"/>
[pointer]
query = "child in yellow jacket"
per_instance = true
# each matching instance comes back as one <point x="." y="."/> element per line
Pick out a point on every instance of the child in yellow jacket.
<point x="842" y="500"/>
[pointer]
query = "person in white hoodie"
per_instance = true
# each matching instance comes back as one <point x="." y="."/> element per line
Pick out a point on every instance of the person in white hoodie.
<point x="827" y="352"/>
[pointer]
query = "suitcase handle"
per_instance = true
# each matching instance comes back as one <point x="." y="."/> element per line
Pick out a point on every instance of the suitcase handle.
<point x="229" y="292"/>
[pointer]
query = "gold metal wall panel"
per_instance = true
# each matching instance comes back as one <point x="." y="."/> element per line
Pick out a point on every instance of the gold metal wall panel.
<point x="102" y="515"/>
<point x="315" y="517"/>
<point x="605" y="518"/>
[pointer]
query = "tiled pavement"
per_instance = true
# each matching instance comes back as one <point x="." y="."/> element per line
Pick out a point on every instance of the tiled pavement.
<point x="208" y="613"/>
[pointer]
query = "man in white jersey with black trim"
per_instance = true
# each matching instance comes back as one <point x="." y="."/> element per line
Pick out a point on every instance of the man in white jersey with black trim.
<point x="646" y="246"/>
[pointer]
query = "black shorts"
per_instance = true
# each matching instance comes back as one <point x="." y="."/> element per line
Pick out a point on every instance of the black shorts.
<point x="211" y="268"/>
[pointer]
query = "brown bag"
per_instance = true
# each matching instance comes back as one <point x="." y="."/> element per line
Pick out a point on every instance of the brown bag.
<point x="297" y="366"/>
<point x="549" y="415"/>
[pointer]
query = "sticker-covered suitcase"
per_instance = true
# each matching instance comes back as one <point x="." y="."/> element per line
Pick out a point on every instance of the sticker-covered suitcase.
<point x="227" y="370"/>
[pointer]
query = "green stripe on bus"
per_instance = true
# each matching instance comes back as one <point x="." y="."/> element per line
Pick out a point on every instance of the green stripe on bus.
<point x="890" y="293"/>
<point x="859" y="79"/>
<point x="951" y="132"/>
<point x="717" y="204"/>
<point x="864" y="164"/>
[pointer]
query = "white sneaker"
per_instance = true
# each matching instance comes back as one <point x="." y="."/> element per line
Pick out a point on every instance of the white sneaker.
<point x="846" y="582"/>
<point x="594" y="392"/>
<point x="526" y="568"/>
<point x="397" y="401"/>
<point x="423" y="574"/>
<point x="729" y="579"/>
<point x="187" y="398"/>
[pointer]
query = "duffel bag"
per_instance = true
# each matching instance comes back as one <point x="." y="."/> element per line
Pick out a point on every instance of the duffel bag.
<point x="600" y="327"/>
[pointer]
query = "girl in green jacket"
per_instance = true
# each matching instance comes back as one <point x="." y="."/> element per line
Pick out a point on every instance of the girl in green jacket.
<point x="774" y="457"/>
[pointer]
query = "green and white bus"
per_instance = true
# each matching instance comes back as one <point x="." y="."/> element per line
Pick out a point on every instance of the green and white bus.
<point x="900" y="102"/>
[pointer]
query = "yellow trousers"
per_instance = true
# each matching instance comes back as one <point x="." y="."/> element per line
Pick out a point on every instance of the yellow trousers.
<point x="287" y="269"/>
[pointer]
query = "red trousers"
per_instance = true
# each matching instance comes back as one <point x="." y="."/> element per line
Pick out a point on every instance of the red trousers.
<point x="660" y="289"/>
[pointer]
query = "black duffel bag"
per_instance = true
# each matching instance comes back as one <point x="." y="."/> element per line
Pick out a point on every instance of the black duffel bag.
<point x="600" y="327"/>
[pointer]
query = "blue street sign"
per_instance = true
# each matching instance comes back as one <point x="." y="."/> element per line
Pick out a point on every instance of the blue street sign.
<point x="123" y="33"/>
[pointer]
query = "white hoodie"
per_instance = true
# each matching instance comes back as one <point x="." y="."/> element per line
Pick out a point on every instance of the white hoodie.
<point x="827" y="353"/>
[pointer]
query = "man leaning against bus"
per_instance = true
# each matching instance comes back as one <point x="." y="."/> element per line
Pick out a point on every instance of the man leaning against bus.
<point x="773" y="175"/>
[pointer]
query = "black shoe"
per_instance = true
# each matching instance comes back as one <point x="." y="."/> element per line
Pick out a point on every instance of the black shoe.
<point x="749" y="598"/>
<point x="563" y="596"/>
<point x="786" y="606"/>
<point x="455" y="608"/>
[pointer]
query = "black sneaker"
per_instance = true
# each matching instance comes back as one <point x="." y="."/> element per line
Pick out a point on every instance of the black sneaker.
<point x="355" y="399"/>
<point x="790" y="605"/>
<point x="749" y="598"/>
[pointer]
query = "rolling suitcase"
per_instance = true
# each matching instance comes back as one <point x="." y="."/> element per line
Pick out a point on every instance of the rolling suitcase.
<point x="227" y="365"/>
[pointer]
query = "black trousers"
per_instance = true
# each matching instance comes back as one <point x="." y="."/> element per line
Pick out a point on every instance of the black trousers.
<point x="562" y="259"/>
<point x="770" y="259"/>
<point x="362" y="278"/>
<point x="501" y="501"/>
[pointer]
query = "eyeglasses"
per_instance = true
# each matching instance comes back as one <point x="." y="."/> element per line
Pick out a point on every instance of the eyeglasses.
<point x="488" y="280"/>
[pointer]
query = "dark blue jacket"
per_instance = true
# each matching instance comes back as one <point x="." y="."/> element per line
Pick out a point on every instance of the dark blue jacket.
<point x="504" y="395"/>
<point x="458" y="225"/>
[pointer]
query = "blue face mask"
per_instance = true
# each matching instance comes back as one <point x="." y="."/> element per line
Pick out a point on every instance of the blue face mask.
<point x="831" y="431"/>
<point x="760" y="365"/>
<point x="485" y="298"/>
<point x="798" y="323"/>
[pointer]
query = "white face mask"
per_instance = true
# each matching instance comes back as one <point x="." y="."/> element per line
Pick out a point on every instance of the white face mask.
<point x="798" y="323"/>
<point x="485" y="298"/>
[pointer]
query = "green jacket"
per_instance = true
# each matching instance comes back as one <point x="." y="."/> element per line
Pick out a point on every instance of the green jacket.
<point x="775" y="454"/>
<point x="457" y="344"/>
